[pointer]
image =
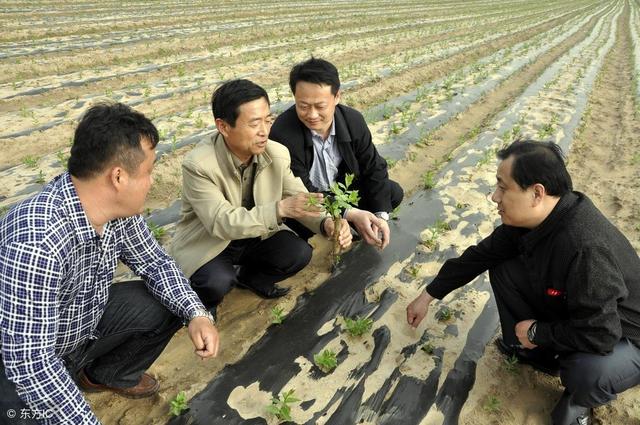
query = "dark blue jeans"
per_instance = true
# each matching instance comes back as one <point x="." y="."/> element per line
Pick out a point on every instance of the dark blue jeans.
<point x="133" y="331"/>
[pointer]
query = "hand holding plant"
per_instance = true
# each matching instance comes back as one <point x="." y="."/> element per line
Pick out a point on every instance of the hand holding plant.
<point x="301" y="205"/>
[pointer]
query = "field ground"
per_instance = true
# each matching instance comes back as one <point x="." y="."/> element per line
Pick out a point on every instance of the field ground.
<point x="442" y="85"/>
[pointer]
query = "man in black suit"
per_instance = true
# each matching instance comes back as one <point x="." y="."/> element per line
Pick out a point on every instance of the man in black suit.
<point x="328" y="140"/>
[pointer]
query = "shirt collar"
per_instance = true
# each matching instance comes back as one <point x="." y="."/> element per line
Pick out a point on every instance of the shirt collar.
<point x="75" y="212"/>
<point x="332" y="132"/>
<point x="239" y="165"/>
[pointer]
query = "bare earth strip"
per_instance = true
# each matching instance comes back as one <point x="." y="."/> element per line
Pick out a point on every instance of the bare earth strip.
<point x="447" y="138"/>
<point x="600" y="164"/>
<point x="604" y="159"/>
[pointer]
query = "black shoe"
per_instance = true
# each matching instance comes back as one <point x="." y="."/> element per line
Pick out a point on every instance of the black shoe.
<point x="566" y="412"/>
<point x="539" y="359"/>
<point x="274" y="292"/>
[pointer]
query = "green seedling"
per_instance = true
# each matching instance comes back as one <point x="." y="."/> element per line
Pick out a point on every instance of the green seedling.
<point x="63" y="158"/>
<point x="460" y="205"/>
<point x="432" y="241"/>
<point x="326" y="360"/>
<point x="428" y="180"/>
<point x="395" y="129"/>
<point x="428" y="348"/>
<point x="200" y="123"/>
<point x="516" y="131"/>
<point x="414" y="270"/>
<point x="179" y="404"/>
<point x="490" y="153"/>
<point x="511" y="363"/>
<point x="30" y="161"/>
<point x="280" y="406"/>
<point x="340" y="199"/>
<point x="277" y="315"/>
<point x="157" y="231"/>
<point x="394" y="213"/>
<point x="40" y="179"/>
<point x="635" y="159"/>
<point x="492" y="405"/>
<point x="441" y="226"/>
<point x="444" y="314"/>
<point x="391" y="162"/>
<point x="181" y="70"/>
<point x="3" y="210"/>
<point x="358" y="326"/>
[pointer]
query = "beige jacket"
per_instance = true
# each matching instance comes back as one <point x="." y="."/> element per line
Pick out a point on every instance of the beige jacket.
<point x="212" y="214"/>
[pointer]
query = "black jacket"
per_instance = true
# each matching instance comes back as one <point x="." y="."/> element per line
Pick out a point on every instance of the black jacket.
<point x="359" y="155"/>
<point x="576" y="251"/>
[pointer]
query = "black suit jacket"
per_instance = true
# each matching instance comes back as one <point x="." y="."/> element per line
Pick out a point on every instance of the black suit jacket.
<point x="359" y="155"/>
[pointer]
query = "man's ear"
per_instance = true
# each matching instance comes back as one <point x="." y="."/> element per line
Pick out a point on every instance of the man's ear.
<point x="222" y="126"/>
<point x="539" y="193"/>
<point x="118" y="177"/>
<point x="338" y="96"/>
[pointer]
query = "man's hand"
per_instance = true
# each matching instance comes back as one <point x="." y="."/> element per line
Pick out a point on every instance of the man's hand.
<point x="521" y="332"/>
<point x="204" y="337"/>
<point x="344" y="238"/>
<point x="418" y="309"/>
<point x="374" y="230"/>
<point x="298" y="206"/>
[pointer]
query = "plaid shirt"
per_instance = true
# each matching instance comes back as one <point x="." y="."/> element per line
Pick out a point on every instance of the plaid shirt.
<point x="55" y="273"/>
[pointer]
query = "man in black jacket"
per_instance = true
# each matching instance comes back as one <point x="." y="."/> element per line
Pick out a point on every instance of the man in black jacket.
<point x="327" y="141"/>
<point x="565" y="280"/>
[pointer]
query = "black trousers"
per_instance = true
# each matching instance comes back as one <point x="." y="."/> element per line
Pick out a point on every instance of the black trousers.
<point x="397" y="194"/>
<point x="590" y="380"/>
<point x="262" y="264"/>
<point x="133" y="331"/>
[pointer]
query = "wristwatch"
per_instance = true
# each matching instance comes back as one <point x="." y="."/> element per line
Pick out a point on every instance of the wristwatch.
<point x="201" y="312"/>
<point x="383" y="215"/>
<point x="531" y="332"/>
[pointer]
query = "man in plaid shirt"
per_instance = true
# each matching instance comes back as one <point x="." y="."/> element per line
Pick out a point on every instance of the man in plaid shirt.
<point x="61" y="318"/>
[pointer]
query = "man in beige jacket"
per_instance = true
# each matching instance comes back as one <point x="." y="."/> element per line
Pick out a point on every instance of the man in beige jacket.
<point x="237" y="189"/>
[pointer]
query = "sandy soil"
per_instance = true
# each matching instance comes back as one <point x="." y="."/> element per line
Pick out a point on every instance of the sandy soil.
<point x="603" y="160"/>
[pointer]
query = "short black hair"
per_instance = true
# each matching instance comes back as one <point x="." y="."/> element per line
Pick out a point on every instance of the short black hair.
<point x="110" y="134"/>
<point x="314" y="70"/>
<point x="538" y="162"/>
<point x="227" y="99"/>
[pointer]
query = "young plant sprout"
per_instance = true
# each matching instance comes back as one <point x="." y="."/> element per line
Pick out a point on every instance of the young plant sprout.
<point x="277" y="315"/>
<point x="444" y="314"/>
<point x="326" y="360"/>
<point x="157" y="231"/>
<point x="179" y="404"/>
<point x="279" y="406"/>
<point x="358" y="326"/>
<point x="428" y="348"/>
<point x="340" y="199"/>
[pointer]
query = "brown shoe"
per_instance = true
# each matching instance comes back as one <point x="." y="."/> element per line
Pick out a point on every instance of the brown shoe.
<point x="147" y="386"/>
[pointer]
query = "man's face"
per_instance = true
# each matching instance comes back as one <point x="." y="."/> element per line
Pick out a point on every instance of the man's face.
<point x="315" y="105"/>
<point x="137" y="183"/>
<point x="515" y="205"/>
<point x="250" y="134"/>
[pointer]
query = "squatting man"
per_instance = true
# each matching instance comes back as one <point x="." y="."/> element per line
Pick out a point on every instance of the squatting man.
<point x="565" y="280"/>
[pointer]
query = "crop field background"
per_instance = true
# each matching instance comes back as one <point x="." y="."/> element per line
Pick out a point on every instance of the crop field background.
<point x="443" y="85"/>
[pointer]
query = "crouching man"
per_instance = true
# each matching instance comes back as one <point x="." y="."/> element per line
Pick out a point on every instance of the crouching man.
<point x="565" y="280"/>
<point x="237" y="190"/>
<point x="60" y="315"/>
